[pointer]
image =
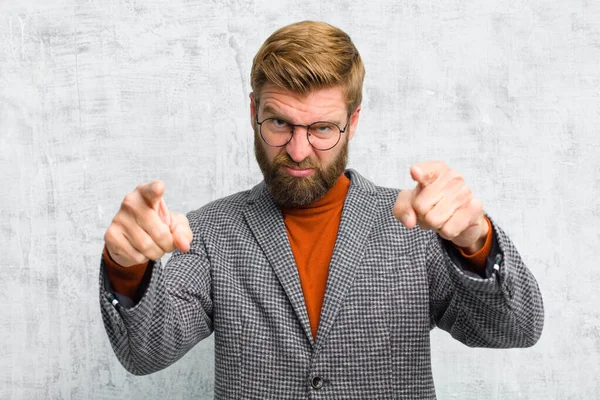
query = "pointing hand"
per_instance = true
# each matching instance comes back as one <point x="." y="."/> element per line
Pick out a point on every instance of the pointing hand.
<point x="143" y="229"/>
<point x="443" y="203"/>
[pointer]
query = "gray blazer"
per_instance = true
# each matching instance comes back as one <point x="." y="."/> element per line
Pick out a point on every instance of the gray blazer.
<point x="387" y="288"/>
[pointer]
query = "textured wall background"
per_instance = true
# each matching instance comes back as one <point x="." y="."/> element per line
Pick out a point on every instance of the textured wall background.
<point x="97" y="96"/>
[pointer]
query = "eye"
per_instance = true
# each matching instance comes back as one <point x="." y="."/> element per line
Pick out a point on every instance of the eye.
<point x="278" y="122"/>
<point x="322" y="128"/>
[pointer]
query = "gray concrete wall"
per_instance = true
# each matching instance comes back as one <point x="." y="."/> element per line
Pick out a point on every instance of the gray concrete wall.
<point x="97" y="96"/>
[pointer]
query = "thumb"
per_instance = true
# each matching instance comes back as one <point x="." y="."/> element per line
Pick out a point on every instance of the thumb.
<point x="181" y="238"/>
<point x="181" y="232"/>
<point x="403" y="210"/>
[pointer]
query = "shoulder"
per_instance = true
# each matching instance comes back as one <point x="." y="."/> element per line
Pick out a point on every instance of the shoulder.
<point x="363" y="185"/>
<point x="224" y="211"/>
<point x="385" y="224"/>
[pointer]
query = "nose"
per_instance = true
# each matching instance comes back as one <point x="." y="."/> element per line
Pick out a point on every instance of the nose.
<point x="299" y="148"/>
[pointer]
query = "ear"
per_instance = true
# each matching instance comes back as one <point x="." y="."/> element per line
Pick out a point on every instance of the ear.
<point x="353" y="122"/>
<point x="253" y="109"/>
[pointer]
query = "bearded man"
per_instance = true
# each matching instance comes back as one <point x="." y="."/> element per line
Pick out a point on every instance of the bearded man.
<point x="316" y="283"/>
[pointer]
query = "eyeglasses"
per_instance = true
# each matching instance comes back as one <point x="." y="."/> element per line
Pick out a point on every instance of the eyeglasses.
<point x="321" y="135"/>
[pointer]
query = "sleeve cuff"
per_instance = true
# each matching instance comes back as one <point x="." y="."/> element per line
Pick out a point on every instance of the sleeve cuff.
<point x="124" y="280"/>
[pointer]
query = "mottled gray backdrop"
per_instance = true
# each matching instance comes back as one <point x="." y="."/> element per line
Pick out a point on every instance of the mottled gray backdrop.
<point x="97" y="96"/>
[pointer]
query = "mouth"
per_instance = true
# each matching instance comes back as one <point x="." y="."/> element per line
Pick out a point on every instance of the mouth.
<point x="298" y="172"/>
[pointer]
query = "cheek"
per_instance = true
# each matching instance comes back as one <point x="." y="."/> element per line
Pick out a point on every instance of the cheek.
<point x="271" y="152"/>
<point x="326" y="158"/>
<point x="265" y="152"/>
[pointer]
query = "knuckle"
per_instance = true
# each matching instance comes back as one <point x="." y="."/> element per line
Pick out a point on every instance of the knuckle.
<point x="464" y="194"/>
<point x="477" y="206"/>
<point x="465" y="191"/>
<point x="419" y="207"/>
<point x="429" y="220"/>
<point x="129" y="202"/>
<point x="432" y="221"/>
<point x="145" y="245"/>
<point x="139" y="258"/>
<point x="449" y="233"/>
<point x="455" y="176"/>
<point x="114" y="238"/>
<point x="169" y="248"/>
<point x="109" y="235"/>
<point x="157" y="232"/>
<point x="155" y="255"/>
<point x="118" y="220"/>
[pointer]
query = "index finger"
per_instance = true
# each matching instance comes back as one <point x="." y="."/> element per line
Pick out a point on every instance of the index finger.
<point x="425" y="173"/>
<point x="152" y="193"/>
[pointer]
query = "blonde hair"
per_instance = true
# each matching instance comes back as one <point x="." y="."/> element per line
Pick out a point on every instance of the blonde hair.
<point x="307" y="56"/>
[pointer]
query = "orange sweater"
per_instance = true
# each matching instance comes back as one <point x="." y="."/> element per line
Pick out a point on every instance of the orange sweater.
<point x="312" y="232"/>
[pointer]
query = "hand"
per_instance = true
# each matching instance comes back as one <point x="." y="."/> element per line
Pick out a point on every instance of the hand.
<point x="144" y="229"/>
<point x="443" y="203"/>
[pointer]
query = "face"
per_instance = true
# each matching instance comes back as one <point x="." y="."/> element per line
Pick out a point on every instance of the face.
<point x="297" y="174"/>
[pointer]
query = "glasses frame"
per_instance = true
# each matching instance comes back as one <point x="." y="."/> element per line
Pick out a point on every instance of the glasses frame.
<point x="300" y="125"/>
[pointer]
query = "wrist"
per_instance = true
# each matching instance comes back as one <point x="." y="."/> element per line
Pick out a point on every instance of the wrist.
<point x="480" y="242"/>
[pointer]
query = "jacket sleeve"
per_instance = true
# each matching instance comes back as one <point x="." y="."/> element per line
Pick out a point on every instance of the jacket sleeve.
<point x="502" y="309"/>
<point x="173" y="314"/>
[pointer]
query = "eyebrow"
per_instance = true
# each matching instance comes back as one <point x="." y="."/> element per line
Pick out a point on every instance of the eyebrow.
<point x="268" y="109"/>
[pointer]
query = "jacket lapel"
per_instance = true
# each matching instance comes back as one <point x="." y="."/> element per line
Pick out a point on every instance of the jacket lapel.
<point x="356" y="223"/>
<point x="266" y="222"/>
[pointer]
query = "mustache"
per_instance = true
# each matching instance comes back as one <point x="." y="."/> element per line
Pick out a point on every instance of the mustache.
<point x="284" y="160"/>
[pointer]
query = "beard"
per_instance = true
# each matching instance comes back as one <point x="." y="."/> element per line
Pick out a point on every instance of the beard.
<point x="293" y="192"/>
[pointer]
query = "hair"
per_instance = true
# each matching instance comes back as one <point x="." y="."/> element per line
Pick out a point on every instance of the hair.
<point x="308" y="56"/>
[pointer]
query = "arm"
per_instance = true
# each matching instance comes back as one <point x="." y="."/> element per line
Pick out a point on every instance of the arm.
<point x="498" y="306"/>
<point x="504" y="310"/>
<point x="174" y="312"/>
<point x="157" y="314"/>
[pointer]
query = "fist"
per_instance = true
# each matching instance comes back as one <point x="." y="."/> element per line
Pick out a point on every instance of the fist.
<point x="144" y="229"/>
<point x="443" y="203"/>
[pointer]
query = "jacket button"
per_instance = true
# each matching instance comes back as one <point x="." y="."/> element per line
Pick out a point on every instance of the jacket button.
<point x="316" y="382"/>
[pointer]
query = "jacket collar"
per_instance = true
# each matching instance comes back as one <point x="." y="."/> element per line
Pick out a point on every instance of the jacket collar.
<point x="266" y="222"/>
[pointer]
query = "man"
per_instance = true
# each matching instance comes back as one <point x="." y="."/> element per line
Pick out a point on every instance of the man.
<point x="317" y="283"/>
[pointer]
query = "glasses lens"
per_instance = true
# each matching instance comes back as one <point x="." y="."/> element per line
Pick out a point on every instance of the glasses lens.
<point x="323" y="135"/>
<point x="276" y="132"/>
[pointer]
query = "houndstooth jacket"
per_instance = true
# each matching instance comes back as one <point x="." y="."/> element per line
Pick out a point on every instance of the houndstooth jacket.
<point x="387" y="288"/>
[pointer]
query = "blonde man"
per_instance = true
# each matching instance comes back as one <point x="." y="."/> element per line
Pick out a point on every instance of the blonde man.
<point x="316" y="282"/>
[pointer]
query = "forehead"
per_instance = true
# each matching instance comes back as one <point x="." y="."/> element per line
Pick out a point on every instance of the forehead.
<point x="326" y="103"/>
